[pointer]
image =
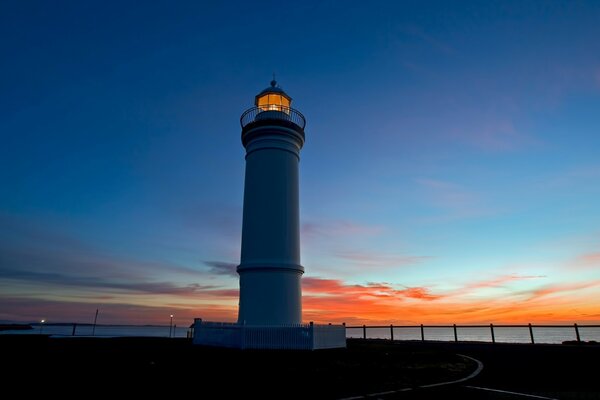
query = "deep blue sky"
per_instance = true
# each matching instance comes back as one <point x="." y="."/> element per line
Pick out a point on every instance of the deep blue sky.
<point x="452" y="155"/>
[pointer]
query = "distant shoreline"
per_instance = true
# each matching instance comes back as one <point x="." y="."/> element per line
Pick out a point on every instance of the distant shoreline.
<point x="15" y="327"/>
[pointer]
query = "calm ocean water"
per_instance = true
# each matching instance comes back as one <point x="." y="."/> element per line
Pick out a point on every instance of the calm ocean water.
<point x="506" y="335"/>
<point x="103" y="330"/>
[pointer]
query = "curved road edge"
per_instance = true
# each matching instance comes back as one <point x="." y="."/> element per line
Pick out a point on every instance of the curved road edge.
<point x="470" y="376"/>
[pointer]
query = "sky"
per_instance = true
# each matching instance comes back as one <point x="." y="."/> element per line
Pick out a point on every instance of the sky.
<point x="451" y="170"/>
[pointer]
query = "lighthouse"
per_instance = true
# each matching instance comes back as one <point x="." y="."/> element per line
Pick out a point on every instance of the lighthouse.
<point x="270" y="269"/>
<point x="270" y="304"/>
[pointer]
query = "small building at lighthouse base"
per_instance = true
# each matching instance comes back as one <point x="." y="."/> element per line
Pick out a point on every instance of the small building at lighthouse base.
<point x="283" y="337"/>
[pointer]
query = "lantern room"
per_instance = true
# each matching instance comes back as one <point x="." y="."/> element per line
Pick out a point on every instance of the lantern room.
<point x="273" y="98"/>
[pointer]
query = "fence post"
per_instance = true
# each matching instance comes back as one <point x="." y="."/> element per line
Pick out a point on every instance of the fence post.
<point x="392" y="332"/>
<point x="531" y="334"/>
<point x="75" y="327"/>
<point x="455" y="334"/>
<point x="364" y="331"/>
<point x="422" y="333"/>
<point x="577" y="333"/>
<point x="492" y="331"/>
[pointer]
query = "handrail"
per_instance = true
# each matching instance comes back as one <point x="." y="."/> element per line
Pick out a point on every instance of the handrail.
<point x="270" y="112"/>
<point x="491" y="327"/>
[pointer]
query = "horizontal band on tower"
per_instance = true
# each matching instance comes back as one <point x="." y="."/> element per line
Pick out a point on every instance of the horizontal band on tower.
<point x="255" y="131"/>
<point x="273" y="142"/>
<point x="271" y="267"/>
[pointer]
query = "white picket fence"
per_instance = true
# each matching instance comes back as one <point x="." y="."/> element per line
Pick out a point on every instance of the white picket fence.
<point x="283" y="337"/>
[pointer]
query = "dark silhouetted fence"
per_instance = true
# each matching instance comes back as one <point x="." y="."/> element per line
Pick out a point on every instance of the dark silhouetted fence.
<point x="528" y="332"/>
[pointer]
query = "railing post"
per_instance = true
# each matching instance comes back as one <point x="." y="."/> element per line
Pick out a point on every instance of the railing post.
<point x="422" y="333"/>
<point x="577" y="333"/>
<point x="392" y="332"/>
<point x="531" y="334"/>
<point x="455" y="334"/>
<point x="75" y="327"/>
<point x="364" y="331"/>
<point x="492" y="332"/>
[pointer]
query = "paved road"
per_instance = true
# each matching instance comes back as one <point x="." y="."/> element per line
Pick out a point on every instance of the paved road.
<point x="520" y="371"/>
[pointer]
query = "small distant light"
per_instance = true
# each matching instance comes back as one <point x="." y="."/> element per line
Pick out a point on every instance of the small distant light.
<point x="171" y="315"/>
<point x="43" y="321"/>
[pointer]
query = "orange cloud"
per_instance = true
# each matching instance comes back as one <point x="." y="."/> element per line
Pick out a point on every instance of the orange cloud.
<point x="330" y="300"/>
<point x="419" y="293"/>
<point x="333" y="300"/>
<point x="334" y="287"/>
<point x="562" y="288"/>
<point x="588" y="260"/>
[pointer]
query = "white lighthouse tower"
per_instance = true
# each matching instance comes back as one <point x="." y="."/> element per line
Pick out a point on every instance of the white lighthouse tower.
<point x="270" y="306"/>
<point x="270" y="270"/>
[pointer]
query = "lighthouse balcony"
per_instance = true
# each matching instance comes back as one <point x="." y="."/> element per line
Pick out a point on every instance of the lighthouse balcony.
<point x="272" y="113"/>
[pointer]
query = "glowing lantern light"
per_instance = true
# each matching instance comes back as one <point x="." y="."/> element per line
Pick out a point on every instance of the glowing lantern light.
<point x="273" y="98"/>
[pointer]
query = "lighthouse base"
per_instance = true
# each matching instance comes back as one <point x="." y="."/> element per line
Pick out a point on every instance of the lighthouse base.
<point x="284" y="337"/>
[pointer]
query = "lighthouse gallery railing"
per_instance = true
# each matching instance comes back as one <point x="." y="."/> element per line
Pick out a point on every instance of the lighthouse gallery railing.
<point x="277" y="112"/>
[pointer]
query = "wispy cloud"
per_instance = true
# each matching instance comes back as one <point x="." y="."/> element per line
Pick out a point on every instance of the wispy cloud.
<point x="222" y="268"/>
<point x="454" y="200"/>
<point x="338" y="228"/>
<point x="559" y="289"/>
<point x="587" y="260"/>
<point x="495" y="135"/>
<point x="29" y="246"/>
<point x="350" y="243"/>
<point x="192" y="289"/>
<point x="498" y="281"/>
<point x="335" y="287"/>
<point x="374" y="259"/>
<point x="32" y="310"/>
<point x="47" y="266"/>
<point x="66" y="280"/>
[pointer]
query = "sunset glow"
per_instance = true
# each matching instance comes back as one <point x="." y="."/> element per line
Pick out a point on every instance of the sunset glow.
<point x="451" y="171"/>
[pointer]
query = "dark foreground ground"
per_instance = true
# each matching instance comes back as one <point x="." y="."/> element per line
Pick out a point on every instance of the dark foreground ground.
<point x="519" y="371"/>
<point x="125" y="367"/>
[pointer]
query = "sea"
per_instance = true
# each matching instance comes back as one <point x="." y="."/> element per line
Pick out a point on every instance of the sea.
<point x="478" y="334"/>
<point x="102" y="330"/>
